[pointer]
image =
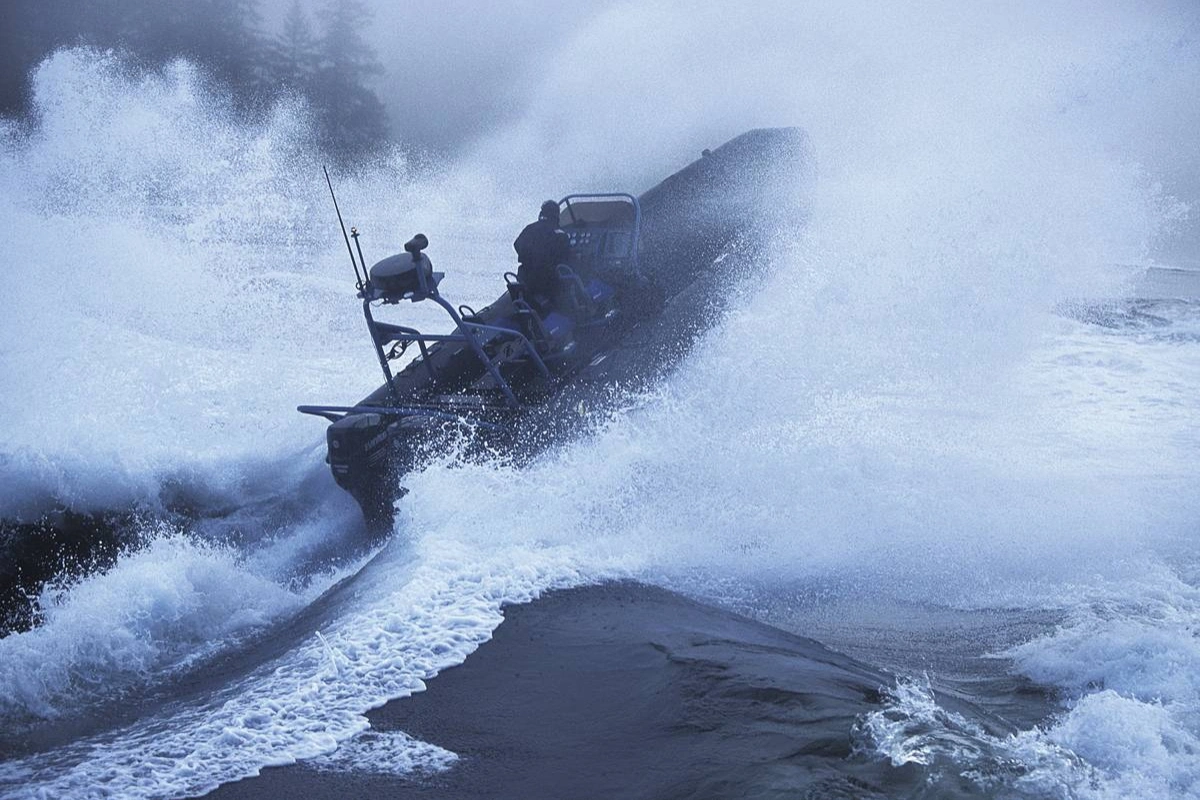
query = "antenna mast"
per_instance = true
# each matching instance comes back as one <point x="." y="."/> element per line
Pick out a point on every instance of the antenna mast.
<point x="359" y="281"/>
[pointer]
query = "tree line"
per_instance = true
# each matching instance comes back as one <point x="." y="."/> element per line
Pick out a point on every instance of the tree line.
<point x="328" y="62"/>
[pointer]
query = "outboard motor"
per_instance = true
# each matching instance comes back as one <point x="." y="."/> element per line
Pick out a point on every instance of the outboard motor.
<point x="406" y="275"/>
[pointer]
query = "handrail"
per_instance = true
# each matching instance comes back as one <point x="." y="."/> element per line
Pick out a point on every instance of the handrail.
<point x="468" y="332"/>
<point x="537" y="358"/>
<point x="413" y="335"/>
<point x="335" y="413"/>
<point x="385" y="331"/>
<point x="488" y="364"/>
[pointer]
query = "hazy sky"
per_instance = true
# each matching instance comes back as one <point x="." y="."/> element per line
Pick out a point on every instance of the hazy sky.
<point x="456" y="68"/>
<point x="647" y="80"/>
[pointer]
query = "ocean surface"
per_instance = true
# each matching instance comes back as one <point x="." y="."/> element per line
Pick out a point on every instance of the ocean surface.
<point x="952" y="432"/>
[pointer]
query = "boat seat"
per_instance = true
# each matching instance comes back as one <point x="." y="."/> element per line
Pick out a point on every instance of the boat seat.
<point x="599" y="291"/>
<point x="558" y="326"/>
<point x="586" y="297"/>
<point x="551" y="333"/>
<point x="573" y="288"/>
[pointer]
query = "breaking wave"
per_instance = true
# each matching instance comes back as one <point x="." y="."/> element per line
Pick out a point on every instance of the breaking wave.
<point x="896" y="410"/>
<point x="160" y="610"/>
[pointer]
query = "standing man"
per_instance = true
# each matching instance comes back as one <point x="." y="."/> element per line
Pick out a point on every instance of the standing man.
<point x="541" y="247"/>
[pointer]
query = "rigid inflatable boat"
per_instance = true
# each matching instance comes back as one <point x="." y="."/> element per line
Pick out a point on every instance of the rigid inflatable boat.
<point x="645" y="276"/>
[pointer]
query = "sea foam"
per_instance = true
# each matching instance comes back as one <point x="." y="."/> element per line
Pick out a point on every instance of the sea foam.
<point x="161" y="609"/>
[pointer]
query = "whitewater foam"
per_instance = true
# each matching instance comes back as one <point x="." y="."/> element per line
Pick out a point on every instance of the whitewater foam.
<point x="413" y="613"/>
<point x="174" y="286"/>
<point x="391" y="752"/>
<point x="161" y="609"/>
<point x="960" y="756"/>
<point x="1127" y="664"/>
<point x="894" y="410"/>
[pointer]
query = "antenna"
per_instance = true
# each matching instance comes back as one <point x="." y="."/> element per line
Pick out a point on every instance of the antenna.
<point x="359" y="282"/>
<point x="358" y="246"/>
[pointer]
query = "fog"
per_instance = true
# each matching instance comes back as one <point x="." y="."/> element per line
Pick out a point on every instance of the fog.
<point x="892" y="411"/>
<point x="455" y="70"/>
<point x="594" y="81"/>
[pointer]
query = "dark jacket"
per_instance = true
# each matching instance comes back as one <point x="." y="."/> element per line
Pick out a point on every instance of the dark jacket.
<point x="541" y="247"/>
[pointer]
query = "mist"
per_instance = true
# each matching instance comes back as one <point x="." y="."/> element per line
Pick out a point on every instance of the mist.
<point x="612" y="90"/>
<point x="974" y="170"/>
<point x="905" y="407"/>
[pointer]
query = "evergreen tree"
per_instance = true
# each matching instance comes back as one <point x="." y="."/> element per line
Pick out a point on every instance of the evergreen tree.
<point x="223" y="37"/>
<point x="26" y="36"/>
<point x="230" y="42"/>
<point x="294" y="58"/>
<point x="352" y="120"/>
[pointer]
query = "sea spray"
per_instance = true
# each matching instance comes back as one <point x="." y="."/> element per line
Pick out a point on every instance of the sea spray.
<point x="896" y="411"/>
<point x="159" y="610"/>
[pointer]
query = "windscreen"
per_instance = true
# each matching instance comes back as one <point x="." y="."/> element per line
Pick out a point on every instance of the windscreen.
<point x="597" y="212"/>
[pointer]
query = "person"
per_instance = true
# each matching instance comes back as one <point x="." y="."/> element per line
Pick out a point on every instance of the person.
<point x="541" y="247"/>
